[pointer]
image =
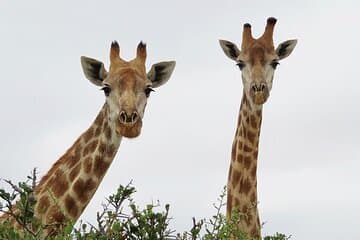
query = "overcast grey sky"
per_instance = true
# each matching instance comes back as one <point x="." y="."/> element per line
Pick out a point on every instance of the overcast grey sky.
<point x="309" y="149"/>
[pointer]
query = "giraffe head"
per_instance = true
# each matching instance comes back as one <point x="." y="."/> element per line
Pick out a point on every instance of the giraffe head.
<point x="127" y="86"/>
<point x="258" y="60"/>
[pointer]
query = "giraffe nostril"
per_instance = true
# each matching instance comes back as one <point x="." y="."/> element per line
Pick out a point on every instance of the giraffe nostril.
<point x="126" y="118"/>
<point x="123" y="116"/>
<point x="134" y="116"/>
<point x="254" y="88"/>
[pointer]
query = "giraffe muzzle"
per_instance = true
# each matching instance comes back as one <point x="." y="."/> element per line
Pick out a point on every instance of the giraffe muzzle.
<point x="259" y="93"/>
<point x="128" y="119"/>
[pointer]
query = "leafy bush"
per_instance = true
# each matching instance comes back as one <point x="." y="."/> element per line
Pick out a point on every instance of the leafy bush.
<point x="120" y="218"/>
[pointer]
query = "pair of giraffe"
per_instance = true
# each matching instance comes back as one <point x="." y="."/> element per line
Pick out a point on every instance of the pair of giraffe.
<point x="64" y="192"/>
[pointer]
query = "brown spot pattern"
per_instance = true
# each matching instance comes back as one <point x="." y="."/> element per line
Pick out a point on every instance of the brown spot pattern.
<point x="43" y="204"/>
<point x="102" y="148"/>
<point x="58" y="217"/>
<point x="235" y="178"/>
<point x="78" y="151"/>
<point x="253" y="121"/>
<point x="247" y="120"/>
<point x="99" y="119"/>
<point x="255" y="232"/>
<point x="229" y="203"/>
<point x="108" y="133"/>
<point x="245" y="186"/>
<point x="241" y="131"/>
<point x="240" y="145"/>
<point x="244" y="209"/>
<point x="250" y="136"/>
<point x="88" y="134"/>
<point x="247" y="162"/>
<point x="71" y="161"/>
<point x="233" y="152"/>
<point x="111" y="150"/>
<point x="83" y="189"/>
<point x="237" y="201"/>
<point x="245" y="112"/>
<point x="240" y="158"/>
<point x="71" y="206"/>
<point x="60" y="185"/>
<point x="253" y="171"/>
<point x="87" y="164"/>
<point x="249" y="219"/>
<point x="253" y="198"/>
<point x="74" y="172"/>
<point x="258" y="113"/>
<point x="98" y="131"/>
<point x="100" y="166"/>
<point x="255" y="154"/>
<point x="247" y="148"/>
<point x="90" y="147"/>
<point x="230" y="172"/>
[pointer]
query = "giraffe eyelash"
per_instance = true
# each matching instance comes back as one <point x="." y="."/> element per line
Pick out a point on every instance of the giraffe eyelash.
<point x="107" y="90"/>
<point x="241" y="65"/>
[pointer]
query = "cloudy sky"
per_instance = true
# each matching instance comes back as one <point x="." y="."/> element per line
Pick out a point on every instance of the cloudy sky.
<point x="308" y="180"/>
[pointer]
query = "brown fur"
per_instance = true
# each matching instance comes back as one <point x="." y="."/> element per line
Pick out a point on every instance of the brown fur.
<point x="235" y="178"/>
<point x="88" y="164"/>
<point x="74" y="172"/>
<point x="84" y="188"/>
<point x="60" y="186"/>
<point x="111" y="151"/>
<point x="71" y="206"/>
<point x="88" y="134"/>
<point x="100" y="166"/>
<point x="44" y="204"/>
<point x="240" y="158"/>
<point x="245" y="195"/>
<point x="245" y="186"/>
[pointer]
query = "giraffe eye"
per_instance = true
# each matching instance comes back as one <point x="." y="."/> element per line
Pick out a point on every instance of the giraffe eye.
<point x="106" y="90"/>
<point x="274" y="64"/>
<point x="241" y="65"/>
<point x="148" y="90"/>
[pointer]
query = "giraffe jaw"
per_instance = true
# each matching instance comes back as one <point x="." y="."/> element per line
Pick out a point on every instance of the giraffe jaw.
<point x="129" y="130"/>
<point x="259" y="98"/>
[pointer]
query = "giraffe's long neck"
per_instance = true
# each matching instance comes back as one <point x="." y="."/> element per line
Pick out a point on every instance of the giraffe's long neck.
<point x="64" y="192"/>
<point x="242" y="181"/>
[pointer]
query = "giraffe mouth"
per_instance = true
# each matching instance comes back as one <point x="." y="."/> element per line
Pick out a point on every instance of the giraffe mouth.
<point x="129" y="130"/>
<point x="259" y="98"/>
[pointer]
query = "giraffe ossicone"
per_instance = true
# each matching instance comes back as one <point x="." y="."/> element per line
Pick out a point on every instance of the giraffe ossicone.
<point x="66" y="189"/>
<point x="257" y="61"/>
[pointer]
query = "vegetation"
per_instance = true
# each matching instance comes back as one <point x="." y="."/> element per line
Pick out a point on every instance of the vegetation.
<point x="119" y="218"/>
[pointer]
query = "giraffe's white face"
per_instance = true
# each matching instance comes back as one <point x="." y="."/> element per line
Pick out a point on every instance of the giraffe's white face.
<point x="127" y="87"/>
<point x="257" y="72"/>
<point x="257" y="65"/>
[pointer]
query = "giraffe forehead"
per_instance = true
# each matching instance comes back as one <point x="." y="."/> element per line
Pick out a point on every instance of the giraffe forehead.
<point x="258" y="54"/>
<point x="127" y="78"/>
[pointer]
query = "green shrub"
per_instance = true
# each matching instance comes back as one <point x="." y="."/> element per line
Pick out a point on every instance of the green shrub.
<point x="120" y="218"/>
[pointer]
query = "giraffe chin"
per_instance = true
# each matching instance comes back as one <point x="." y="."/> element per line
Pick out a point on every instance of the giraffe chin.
<point x="259" y="98"/>
<point x="129" y="130"/>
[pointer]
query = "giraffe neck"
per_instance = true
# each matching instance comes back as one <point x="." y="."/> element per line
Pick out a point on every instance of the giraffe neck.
<point x="64" y="192"/>
<point x="242" y="181"/>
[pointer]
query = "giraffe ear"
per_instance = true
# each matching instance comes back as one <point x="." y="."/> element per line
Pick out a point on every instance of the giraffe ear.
<point x="160" y="73"/>
<point x="285" y="48"/>
<point x="230" y="49"/>
<point x="94" y="70"/>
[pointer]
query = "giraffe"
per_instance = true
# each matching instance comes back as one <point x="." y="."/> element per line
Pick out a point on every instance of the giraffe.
<point x="257" y="61"/>
<point x="66" y="189"/>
